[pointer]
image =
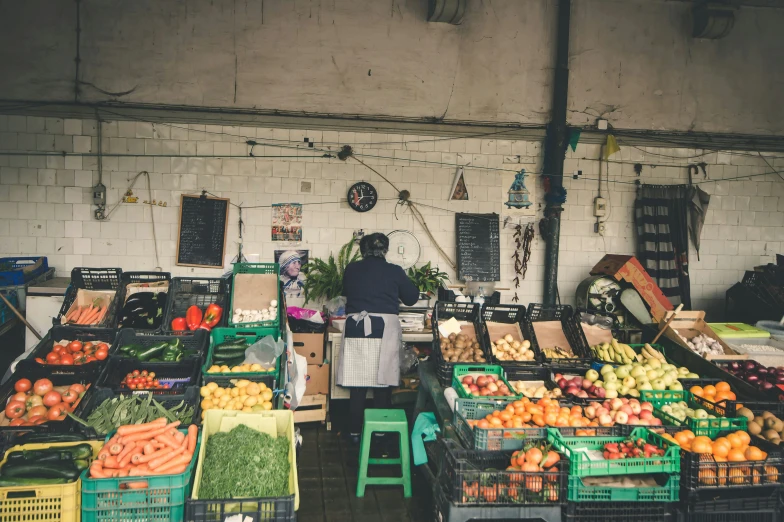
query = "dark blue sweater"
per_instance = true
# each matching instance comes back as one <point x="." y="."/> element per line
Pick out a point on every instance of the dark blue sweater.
<point x="375" y="286"/>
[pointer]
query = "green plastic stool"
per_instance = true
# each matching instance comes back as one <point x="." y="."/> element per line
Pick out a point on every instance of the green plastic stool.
<point x="384" y="421"/>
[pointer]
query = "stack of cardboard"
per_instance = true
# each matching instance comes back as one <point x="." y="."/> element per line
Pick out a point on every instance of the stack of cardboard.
<point x="311" y="347"/>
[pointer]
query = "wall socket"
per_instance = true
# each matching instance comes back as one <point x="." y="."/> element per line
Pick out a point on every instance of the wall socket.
<point x="600" y="228"/>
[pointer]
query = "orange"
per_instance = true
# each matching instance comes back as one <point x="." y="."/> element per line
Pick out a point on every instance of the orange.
<point x="508" y="424"/>
<point x="724" y="442"/>
<point x="701" y="445"/>
<point x="754" y="453"/>
<point x="538" y="420"/>
<point x="505" y="416"/>
<point x="526" y="417"/>
<point x="681" y="438"/>
<point x="736" y="455"/>
<point x="534" y="456"/>
<point x="744" y="437"/>
<point x="723" y="396"/>
<point x="575" y="421"/>
<point x="722" y="386"/>
<point x="483" y="424"/>
<point x="496" y="413"/>
<point x="697" y="390"/>
<point x="720" y="450"/>
<point x="735" y="440"/>
<point x="550" y="419"/>
<point x="709" y="391"/>
<point x="496" y="422"/>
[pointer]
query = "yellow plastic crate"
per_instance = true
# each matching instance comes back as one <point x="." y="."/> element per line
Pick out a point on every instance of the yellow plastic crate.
<point x="219" y="420"/>
<point x="53" y="503"/>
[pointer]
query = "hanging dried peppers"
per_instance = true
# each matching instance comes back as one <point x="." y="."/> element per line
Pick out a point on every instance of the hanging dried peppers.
<point x="523" y="239"/>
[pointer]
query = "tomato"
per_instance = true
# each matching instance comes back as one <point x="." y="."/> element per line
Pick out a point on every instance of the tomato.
<point x="37" y="410"/>
<point x="87" y="346"/>
<point x="18" y="396"/>
<point x="66" y="358"/>
<point x="151" y="375"/>
<point x="131" y="386"/>
<point x="58" y="348"/>
<point x="78" y="388"/>
<point x="102" y="354"/>
<point x="42" y="387"/>
<point x="144" y="373"/>
<point x="56" y="412"/>
<point x="75" y="346"/>
<point x="103" y="346"/>
<point x="70" y="396"/>
<point x="15" y="409"/>
<point x="53" y="358"/>
<point x="52" y="398"/>
<point x="39" y="360"/>
<point x="135" y="373"/>
<point x="37" y="420"/>
<point x="33" y="401"/>
<point x="17" y="422"/>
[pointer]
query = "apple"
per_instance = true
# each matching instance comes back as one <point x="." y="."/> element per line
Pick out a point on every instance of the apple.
<point x="587" y="384"/>
<point x="621" y="418"/>
<point x="592" y="375"/>
<point x="572" y="390"/>
<point x="637" y="372"/>
<point x="599" y="384"/>
<point x="646" y="415"/>
<point x="474" y="388"/>
<point x="622" y="390"/>
<point x="627" y="410"/>
<point x="691" y="375"/>
<point x="606" y="369"/>
<point x="652" y="374"/>
<point x="610" y="377"/>
<point x="468" y="380"/>
<point x="590" y="412"/>
<point x="605" y="420"/>
<point x="492" y="387"/>
<point x="612" y="385"/>
<point x="700" y="414"/>
<point x="601" y="393"/>
<point x="676" y="386"/>
<point x="655" y="363"/>
<point x="635" y="407"/>
<point x="629" y="382"/>
<point x="646" y="406"/>
<point x="683" y="370"/>
<point x="615" y="404"/>
<point x="610" y="394"/>
<point x="582" y="394"/>
<point x="634" y="393"/>
<point x="658" y="384"/>
<point x="621" y="372"/>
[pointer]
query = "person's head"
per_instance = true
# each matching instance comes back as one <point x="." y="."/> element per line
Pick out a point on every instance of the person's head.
<point x="290" y="264"/>
<point x="374" y="245"/>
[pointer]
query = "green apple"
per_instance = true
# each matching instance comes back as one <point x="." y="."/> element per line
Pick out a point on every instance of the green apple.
<point x="609" y="377"/>
<point x="623" y="390"/>
<point x="634" y="393"/>
<point x="655" y="363"/>
<point x="658" y="384"/>
<point x="630" y="382"/>
<point x="599" y="384"/>
<point x="667" y="378"/>
<point x="691" y="375"/>
<point x="652" y="374"/>
<point x="606" y="369"/>
<point x="592" y="375"/>
<point x="637" y="372"/>
<point x="612" y="385"/>
<point x="611" y="394"/>
<point x="622" y="372"/>
<point x="683" y="370"/>
<point x="676" y="386"/>
<point x="667" y="408"/>
<point x="644" y="386"/>
<point x="700" y="414"/>
<point x="647" y="367"/>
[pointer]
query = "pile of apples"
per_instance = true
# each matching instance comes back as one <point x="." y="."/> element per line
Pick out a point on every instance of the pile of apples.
<point x="623" y="411"/>
<point x="682" y="411"/>
<point x="485" y="386"/>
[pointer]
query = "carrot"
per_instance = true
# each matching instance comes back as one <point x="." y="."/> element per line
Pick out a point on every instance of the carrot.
<point x="90" y="317"/>
<point x="111" y="462"/>
<point x="149" y="448"/>
<point x="153" y="456"/>
<point x="103" y="453"/>
<point x="126" y="459"/>
<point x="115" y="449"/>
<point x="123" y="472"/>
<point x="135" y="458"/>
<point x="128" y="429"/>
<point x="181" y="460"/>
<point x="193" y="433"/>
<point x="77" y="314"/>
<point x="101" y="314"/>
<point x="178" y="436"/>
<point x="140" y="471"/>
<point x="71" y="313"/>
<point x="139" y="484"/>
<point x="158" y="462"/>
<point x="168" y="441"/>
<point x="85" y="312"/>
<point x="148" y="436"/>
<point x="125" y="450"/>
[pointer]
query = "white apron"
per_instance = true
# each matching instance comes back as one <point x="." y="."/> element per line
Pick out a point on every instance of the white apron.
<point x="371" y="362"/>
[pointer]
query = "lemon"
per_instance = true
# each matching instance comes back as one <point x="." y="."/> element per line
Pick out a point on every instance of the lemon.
<point x="212" y="386"/>
<point x="256" y="368"/>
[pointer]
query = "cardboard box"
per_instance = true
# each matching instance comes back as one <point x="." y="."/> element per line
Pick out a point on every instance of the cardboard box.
<point x="629" y="269"/>
<point x="310" y="346"/>
<point x="318" y="379"/>
<point x="691" y="324"/>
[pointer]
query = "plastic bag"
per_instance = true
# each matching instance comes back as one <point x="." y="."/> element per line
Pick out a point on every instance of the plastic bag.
<point x="408" y="359"/>
<point x="304" y="314"/>
<point x="337" y="307"/>
<point x="265" y="351"/>
<point x="302" y="320"/>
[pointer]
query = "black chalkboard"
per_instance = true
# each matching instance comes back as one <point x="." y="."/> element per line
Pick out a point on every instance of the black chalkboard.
<point x="478" y="247"/>
<point x="202" y="238"/>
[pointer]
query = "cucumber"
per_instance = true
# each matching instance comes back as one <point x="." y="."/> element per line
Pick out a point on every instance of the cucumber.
<point x="229" y="346"/>
<point x="32" y="438"/>
<point x="229" y="354"/>
<point x="45" y="470"/>
<point x="69" y="453"/>
<point x="22" y="482"/>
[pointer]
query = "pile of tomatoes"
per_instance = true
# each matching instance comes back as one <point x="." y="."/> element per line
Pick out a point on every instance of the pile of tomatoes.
<point x="39" y="402"/>
<point x="143" y="380"/>
<point x="75" y="353"/>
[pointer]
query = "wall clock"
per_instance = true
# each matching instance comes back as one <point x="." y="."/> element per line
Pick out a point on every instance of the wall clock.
<point x="362" y="196"/>
<point x="404" y="248"/>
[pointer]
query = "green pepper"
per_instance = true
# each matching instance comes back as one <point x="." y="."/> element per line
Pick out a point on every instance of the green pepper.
<point x="128" y="348"/>
<point x="176" y="343"/>
<point x="152" y="351"/>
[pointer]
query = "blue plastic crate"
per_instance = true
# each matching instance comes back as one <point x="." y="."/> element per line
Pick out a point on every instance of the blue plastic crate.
<point x="17" y="275"/>
<point x="5" y="313"/>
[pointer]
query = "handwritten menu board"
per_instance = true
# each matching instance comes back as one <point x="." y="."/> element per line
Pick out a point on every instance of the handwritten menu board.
<point x="202" y="238"/>
<point x="478" y="247"/>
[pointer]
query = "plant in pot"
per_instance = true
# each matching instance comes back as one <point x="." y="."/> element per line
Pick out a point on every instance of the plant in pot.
<point x="428" y="280"/>
<point x="324" y="281"/>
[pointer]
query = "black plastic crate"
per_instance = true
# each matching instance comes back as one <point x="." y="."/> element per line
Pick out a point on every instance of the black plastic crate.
<point x="700" y="472"/>
<point x="142" y="277"/>
<point x="184" y="374"/>
<point x="69" y="333"/>
<point x="774" y="395"/>
<point x="736" y="499"/>
<point x="189" y="396"/>
<point x="509" y="314"/>
<point x="93" y="279"/>
<point x="619" y="511"/>
<point x="277" y="509"/>
<point x="198" y="341"/>
<point x="468" y="312"/>
<point x="571" y="328"/>
<point x="185" y="292"/>
<point x="88" y="379"/>
<point x="473" y="477"/>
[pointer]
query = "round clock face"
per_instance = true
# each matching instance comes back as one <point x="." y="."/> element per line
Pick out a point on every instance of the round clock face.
<point x="362" y="196"/>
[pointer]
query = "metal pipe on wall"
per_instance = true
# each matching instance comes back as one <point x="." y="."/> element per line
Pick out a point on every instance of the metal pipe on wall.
<point x="555" y="145"/>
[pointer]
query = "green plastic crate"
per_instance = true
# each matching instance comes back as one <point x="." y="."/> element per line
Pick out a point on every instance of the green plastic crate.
<point x="582" y="465"/>
<point x="707" y="427"/>
<point x="255" y="268"/>
<point x="668" y="492"/>
<point x="220" y="335"/>
<point x="103" y="500"/>
<point x="489" y="369"/>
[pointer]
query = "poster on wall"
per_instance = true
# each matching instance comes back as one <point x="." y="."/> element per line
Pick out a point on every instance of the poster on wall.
<point x="518" y="194"/>
<point x="291" y="276"/>
<point x="287" y="222"/>
<point x="459" y="190"/>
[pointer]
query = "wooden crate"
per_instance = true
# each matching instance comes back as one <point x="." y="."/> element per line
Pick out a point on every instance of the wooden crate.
<point x="312" y="408"/>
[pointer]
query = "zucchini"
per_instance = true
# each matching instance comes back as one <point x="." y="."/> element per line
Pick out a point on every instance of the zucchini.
<point x="24" y="482"/>
<point x="229" y="354"/>
<point x="32" y="437"/>
<point x="80" y="451"/>
<point x="231" y="345"/>
<point x="37" y="470"/>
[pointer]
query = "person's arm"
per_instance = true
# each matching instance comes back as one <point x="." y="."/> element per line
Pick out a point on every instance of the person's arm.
<point x="407" y="290"/>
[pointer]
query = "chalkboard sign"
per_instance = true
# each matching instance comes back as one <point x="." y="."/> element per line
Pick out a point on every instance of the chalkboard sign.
<point x="202" y="238"/>
<point x="478" y="247"/>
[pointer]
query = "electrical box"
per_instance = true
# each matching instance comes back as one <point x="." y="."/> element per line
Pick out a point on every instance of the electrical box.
<point x="99" y="195"/>
<point x="599" y="207"/>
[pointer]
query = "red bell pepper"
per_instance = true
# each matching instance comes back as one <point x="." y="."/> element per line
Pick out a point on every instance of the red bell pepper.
<point x="178" y="324"/>
<point x="211" y="317"/>
<point x="193" y="317"/>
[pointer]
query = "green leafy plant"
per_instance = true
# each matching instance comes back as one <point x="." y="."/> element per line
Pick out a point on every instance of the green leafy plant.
<point x="325" y="278"/>
<point x="427" y="279"/>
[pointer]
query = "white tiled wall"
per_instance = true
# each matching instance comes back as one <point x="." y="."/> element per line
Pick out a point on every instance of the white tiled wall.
<point x="45" y="201"/>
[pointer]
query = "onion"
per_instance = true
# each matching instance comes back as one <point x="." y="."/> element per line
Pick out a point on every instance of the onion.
<point x="752" y="378"/>
<point x="767" y="386"/>
<point x="749" y="365"/>
<point x="762" y="371"/>
<point x="780" y="379"/>
<point x="734" y="366"/>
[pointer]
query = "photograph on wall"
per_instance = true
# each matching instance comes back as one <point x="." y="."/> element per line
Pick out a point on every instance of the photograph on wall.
<point x="459" y="190"/>
<point x="287" y="222"/>
<point x="291" y="276"/>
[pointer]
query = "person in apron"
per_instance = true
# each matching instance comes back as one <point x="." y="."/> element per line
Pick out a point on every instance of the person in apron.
<point x="370" y="351"/>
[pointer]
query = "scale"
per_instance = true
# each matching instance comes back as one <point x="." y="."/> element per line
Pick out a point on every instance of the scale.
<point x="404" y="248"/>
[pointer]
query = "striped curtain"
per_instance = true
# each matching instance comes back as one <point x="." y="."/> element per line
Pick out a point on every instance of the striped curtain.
<point x="662" y="238"/>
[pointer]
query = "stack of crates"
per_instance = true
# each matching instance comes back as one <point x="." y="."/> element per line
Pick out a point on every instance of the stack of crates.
<point x="16" y="275"/>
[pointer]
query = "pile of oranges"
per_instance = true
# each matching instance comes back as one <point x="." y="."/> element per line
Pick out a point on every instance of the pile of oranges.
<point x="544" y="412"/>
<point x="714" y="392"/>
<point x="732" y="448"/>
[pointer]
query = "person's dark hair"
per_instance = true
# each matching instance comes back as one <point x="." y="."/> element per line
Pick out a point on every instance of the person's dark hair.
<point x="374" y="245"/>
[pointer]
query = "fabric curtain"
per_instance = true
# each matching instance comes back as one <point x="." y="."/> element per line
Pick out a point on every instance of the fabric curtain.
<point x="663" y="238"/>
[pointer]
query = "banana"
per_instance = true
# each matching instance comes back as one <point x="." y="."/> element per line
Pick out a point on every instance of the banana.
<point x="629" y="351"/>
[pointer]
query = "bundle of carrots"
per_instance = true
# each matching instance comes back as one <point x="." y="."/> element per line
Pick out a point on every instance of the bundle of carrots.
<point x="89" y="315"/>
<point x="153" y="448"/>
